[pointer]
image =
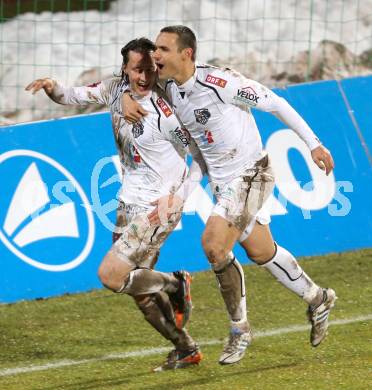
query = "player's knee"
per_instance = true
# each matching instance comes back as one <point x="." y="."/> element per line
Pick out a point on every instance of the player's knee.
<point x="105" y="276"/>
<point x="215" y="251"/>
<point x="102" y="272"/>
<point x="260" y="255"/>
<point x="109" y="275"/>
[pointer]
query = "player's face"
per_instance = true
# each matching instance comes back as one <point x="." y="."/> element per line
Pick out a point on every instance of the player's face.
<point x="168" y="58"/>
<point x="141" y="72"/>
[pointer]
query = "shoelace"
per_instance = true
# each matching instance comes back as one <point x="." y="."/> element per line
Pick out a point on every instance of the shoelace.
<point x="234" y="341"/>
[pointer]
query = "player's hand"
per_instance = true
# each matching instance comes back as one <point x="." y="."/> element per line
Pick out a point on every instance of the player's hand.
<point x="165" y="207"/>
<point x="132" y="111"/>
<point x="323" y="159"/>
<point x="47" y="84"/>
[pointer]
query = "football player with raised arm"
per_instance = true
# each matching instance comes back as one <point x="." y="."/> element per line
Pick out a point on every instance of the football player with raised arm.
<point x="214" y="104"/>
<point x="152" y="154"/>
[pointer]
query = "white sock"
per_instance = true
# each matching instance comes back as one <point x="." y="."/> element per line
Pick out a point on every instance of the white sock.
<point x="285" y="268"/>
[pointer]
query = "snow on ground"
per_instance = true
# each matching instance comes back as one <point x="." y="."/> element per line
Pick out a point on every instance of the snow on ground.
<point x="259" y="32"/>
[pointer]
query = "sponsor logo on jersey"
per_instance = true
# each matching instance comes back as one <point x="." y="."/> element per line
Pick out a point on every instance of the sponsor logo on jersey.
<point x="164" y="107"/>
<point x="137" y="129"/>
<point x="136" y="155"/>
<point x="208" y="138"/>
<point x="247" y="95"/>
<point x="183" y="135"/>
<point x="202" y="115"/>
<point x="216" y="81"/>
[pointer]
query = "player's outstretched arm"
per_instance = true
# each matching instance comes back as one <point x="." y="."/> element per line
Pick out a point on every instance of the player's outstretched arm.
<point x="248" y="93"/>
<point x="47" y="84"/>
<point x="323" y="159"/>
<point x="97" y="93"/>
<point x="287" y="114"/>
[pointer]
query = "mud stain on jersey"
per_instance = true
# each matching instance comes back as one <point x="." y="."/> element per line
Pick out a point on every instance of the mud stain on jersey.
<point x="230" y="155"/>
<point x="57" y="98"/>
<point x="93" y="97"/>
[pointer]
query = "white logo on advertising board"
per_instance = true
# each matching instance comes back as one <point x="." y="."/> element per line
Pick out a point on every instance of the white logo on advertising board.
<point x="31" y="217"/>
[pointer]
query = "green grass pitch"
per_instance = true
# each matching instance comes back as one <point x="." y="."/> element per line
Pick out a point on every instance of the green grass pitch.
<point x="81" y="334"/>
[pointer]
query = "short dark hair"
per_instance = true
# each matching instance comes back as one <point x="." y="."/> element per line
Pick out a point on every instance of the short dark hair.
<point x="139" y="45"/>
<point x="186" y="37"/>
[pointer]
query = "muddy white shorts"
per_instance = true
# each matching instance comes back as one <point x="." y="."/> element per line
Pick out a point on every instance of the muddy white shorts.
<point x="240" y="200"/>
<point x="136" y="241"/>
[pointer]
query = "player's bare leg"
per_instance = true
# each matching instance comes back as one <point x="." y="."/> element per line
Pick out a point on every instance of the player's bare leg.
<point x="120" y="276"/>
<point x="218" y="239"/>
<point x="262" y="249"/>
<point x="128" y="266"/>
<point x="151" y="291"/>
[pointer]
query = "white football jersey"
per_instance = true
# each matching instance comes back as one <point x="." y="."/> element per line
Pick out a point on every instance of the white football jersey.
<point x="152" y="151"/>
<point x="214" y="105"/>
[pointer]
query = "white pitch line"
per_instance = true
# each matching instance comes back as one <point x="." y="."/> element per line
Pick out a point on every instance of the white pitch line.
<point x="155" y="351"/>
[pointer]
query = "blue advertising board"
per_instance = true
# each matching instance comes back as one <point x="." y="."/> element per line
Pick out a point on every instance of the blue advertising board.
<point x="51" y="238"/>
<point x="60" y="180"/>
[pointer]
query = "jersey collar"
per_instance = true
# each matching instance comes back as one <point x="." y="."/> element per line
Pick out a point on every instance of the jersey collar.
<point x="146" y="97"/>
<point x="189" y="84"/>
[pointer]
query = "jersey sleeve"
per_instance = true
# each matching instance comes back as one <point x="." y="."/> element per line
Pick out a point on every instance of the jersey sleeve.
<point x="234" y="88"/>
<point x="97" y="93"/>
<point x="244" y="93"/>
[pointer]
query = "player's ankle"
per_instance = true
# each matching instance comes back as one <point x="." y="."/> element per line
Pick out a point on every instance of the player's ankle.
<point x="317" y="299"/>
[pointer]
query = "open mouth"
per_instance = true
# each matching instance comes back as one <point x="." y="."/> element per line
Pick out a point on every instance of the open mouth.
<point x="143" y="86"/>
<point x="160" y="66"/>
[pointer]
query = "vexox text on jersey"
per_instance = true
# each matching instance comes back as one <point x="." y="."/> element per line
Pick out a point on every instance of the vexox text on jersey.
<point x="247" y="95"/>
<point x="183" y="135"/>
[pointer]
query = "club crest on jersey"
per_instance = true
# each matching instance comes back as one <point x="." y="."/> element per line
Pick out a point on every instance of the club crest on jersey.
<point x="216" y="81"/>
<point x="164" y="107"/>
<point x="137" y="129"/>
<point x="202" y="115"/>
<point x="247" y="95"/>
